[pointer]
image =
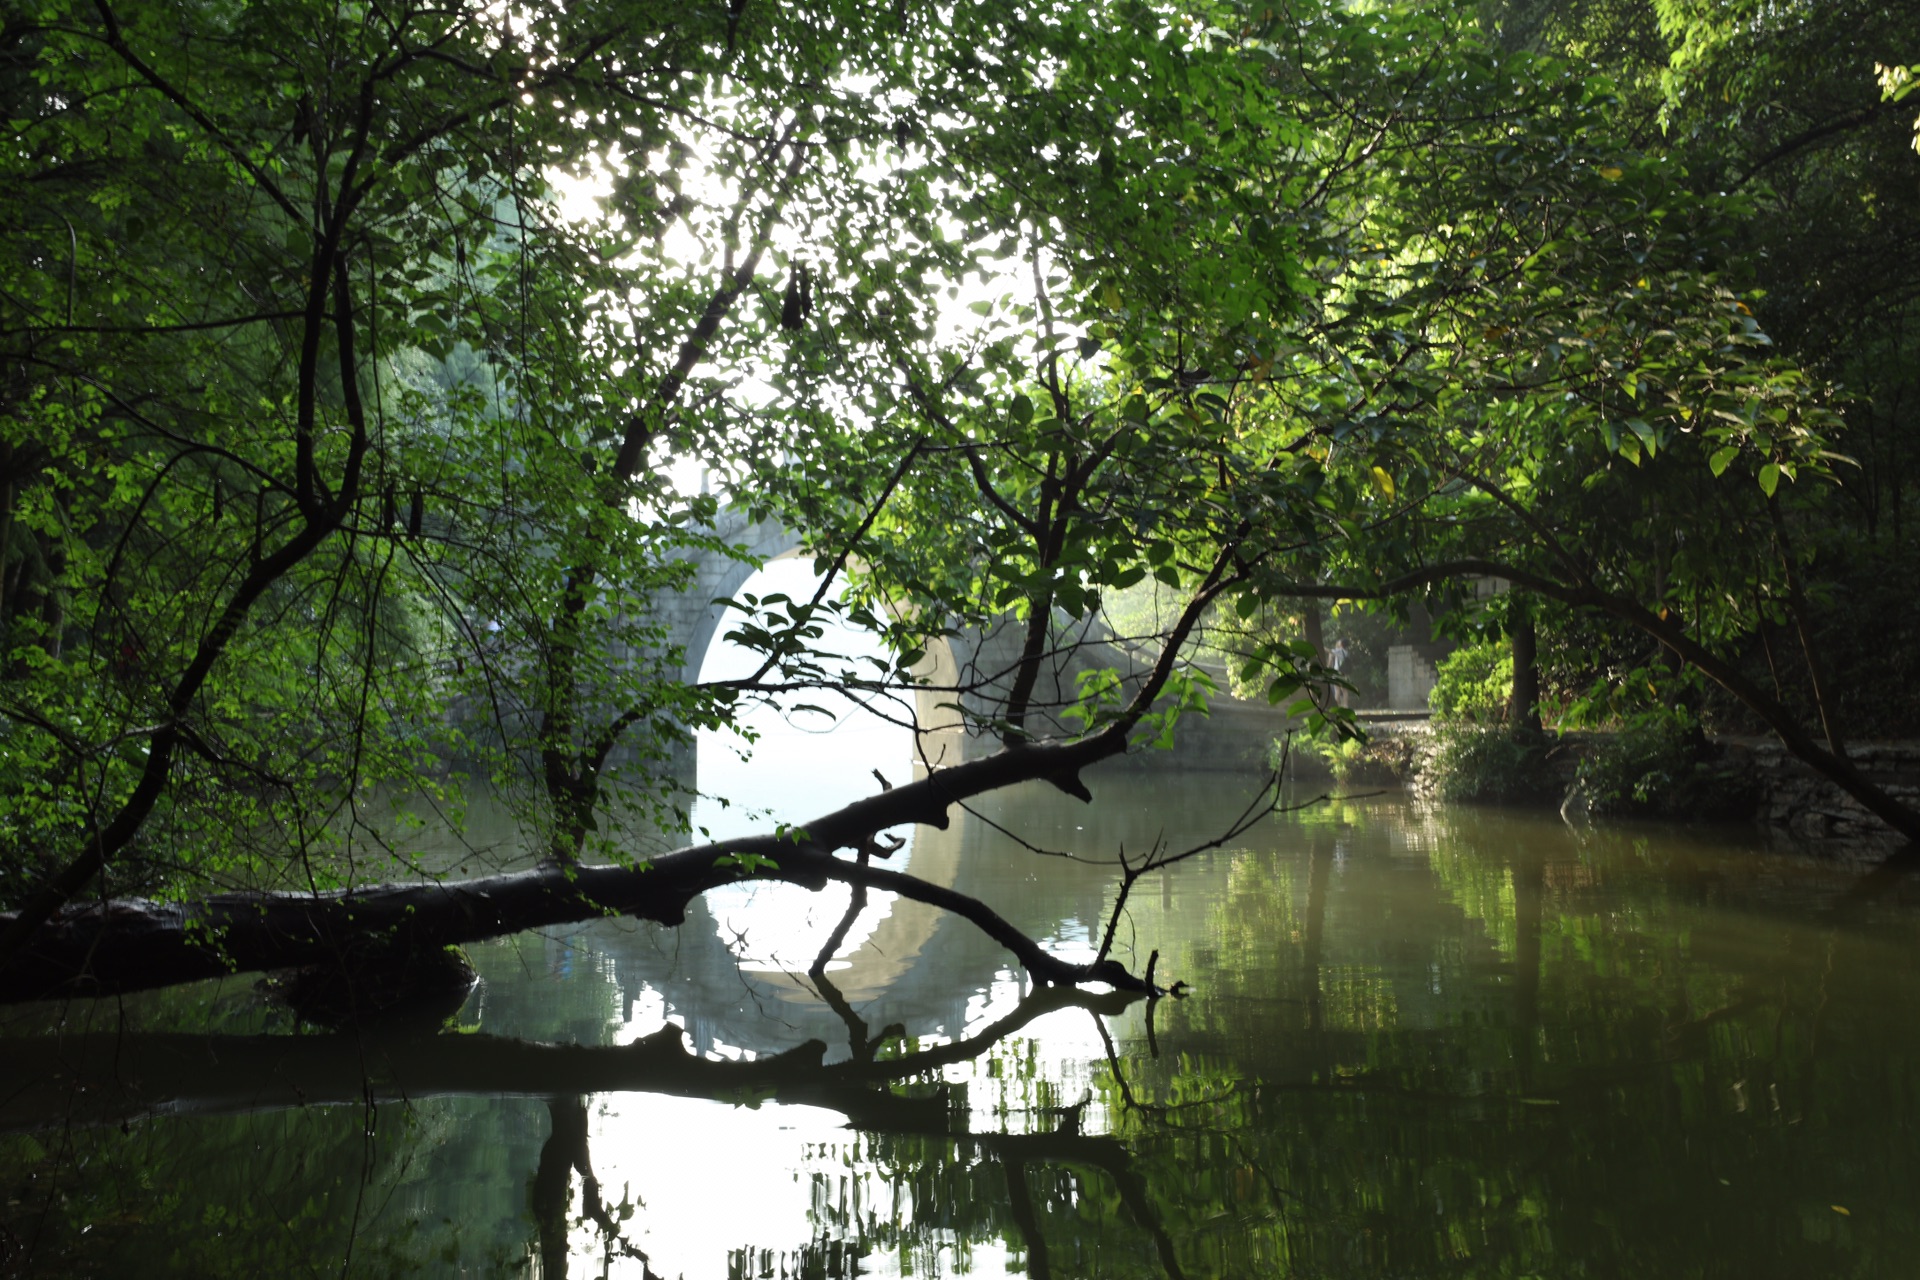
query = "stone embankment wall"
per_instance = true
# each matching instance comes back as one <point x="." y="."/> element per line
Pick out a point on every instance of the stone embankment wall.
<point x="1795" y="798"/>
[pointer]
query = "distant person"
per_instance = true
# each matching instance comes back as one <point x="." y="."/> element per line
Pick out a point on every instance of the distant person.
<point x="1338" y="661"/>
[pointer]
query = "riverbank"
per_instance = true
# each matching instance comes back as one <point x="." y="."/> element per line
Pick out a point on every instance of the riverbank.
<point x="1582" y="774"/>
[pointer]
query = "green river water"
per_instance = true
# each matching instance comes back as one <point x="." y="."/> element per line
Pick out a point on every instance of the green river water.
<point x="1418" y="1042"/>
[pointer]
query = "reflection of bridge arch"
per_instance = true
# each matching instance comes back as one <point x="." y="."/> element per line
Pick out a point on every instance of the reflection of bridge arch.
<point x="894" y="947"/>
<point x="919" y="966"/>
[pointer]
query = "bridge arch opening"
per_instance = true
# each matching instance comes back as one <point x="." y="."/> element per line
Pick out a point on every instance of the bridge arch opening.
<point x="807" y="755"/>
<point x="809" y="752"/>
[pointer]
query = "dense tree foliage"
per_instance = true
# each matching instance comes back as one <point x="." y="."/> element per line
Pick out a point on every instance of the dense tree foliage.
<point x="1779" y="106"/>
<point x="351" y="354"/>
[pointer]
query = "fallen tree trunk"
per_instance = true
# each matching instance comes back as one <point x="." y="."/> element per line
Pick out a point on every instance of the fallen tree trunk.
<point x="121" y="945"/>
<point x="135" y="944"/>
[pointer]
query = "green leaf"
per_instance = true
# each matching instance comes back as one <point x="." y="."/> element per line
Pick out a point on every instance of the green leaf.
<point x="1769" y="478"/>
<point x="1721" y="458"/>
<point x="1648" y="436"/>
<point x="746" y="862"/>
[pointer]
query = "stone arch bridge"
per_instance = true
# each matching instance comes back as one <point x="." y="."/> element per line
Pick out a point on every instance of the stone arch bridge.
<point x="1235" y="735"/>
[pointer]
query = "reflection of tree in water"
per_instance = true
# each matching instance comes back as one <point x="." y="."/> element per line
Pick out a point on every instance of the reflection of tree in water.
<point x="915" y="1129"/>
<point x="423" y="1158"/>
<point x="565" y="1152"/>
<point x="973" y="1187"/>
<point x="1567" y="1072"/>
<point x="266" y="1193"/>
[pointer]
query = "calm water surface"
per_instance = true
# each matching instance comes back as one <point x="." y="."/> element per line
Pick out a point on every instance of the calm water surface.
<point x="1419" y="1043"/>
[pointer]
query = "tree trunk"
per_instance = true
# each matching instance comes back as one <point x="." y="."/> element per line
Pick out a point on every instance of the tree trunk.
<point x="1523" y="710"/>
<point x="6" y="524"/>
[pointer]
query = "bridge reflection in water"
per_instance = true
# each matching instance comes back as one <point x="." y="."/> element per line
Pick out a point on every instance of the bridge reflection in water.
<point x="734" y="977"/>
